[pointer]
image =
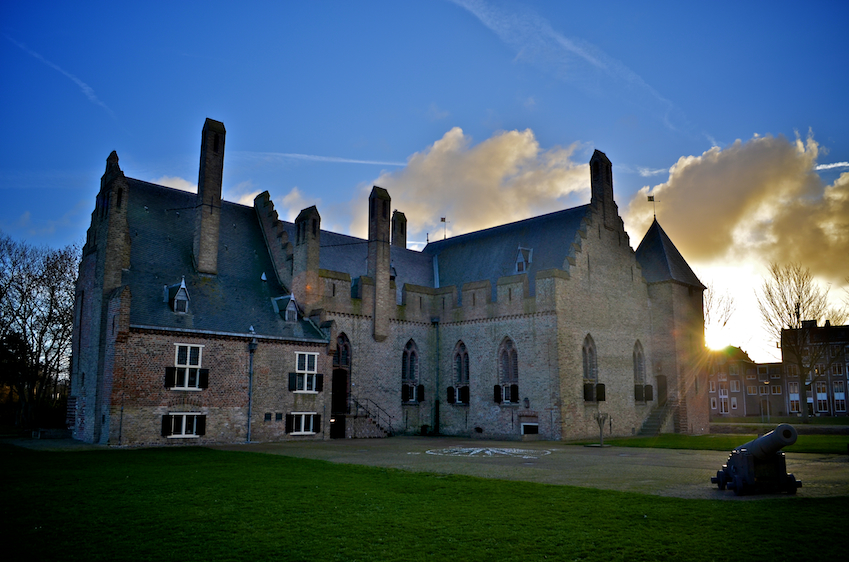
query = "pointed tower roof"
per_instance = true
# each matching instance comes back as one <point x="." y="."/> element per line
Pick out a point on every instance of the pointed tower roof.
<point x="661" y="261"/>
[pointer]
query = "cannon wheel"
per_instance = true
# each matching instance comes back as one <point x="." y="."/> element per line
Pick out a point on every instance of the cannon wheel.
<point x="720" y="479"/>
<point x="791" y="484"/>
<point x="739" y="485"/>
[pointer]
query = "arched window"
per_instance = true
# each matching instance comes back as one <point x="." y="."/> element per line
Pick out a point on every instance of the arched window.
<point x="593" y="390"/>
<point x="508" y="371"/>
<point x="642" y="392"/>
<point x="342" y="357"/>
<point x="459" y="393"/>
<point x="411" y="390"/>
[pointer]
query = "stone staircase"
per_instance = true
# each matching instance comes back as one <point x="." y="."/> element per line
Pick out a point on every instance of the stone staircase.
<point x="655" y="421"/>
<point x="369" y="419"/>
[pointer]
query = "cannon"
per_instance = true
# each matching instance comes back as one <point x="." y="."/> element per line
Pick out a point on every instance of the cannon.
<point x="759" y="465"/>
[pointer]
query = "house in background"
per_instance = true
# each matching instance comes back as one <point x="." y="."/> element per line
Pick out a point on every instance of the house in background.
<point x="200" y="320"/>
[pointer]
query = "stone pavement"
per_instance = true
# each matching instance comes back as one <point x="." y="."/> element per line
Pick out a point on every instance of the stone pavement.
<point x="664" y="472"/>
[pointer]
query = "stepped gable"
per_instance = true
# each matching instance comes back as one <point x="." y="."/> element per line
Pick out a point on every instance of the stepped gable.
<point x="661" y="261"/>
<point x="491" y="253"/>
<point x="161" y="224"/>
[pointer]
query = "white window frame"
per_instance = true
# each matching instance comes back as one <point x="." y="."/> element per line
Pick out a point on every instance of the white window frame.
<point x="305" y="372"/>
<point x="733" y="402"/>
<point x="712" y="403"/>
<point x="711" y="386"/>
<point x="793" y="396"/>
<point x="735" y="386"/>
<point x="184" y="370"/>
<point x="723" y="389"/>
<point x="763" y="389"/>
<point x="822" y="397"/>
<point x="752" y="390"/>
<point x="722" y="377"/>
<point x="184" y="417"/>
<point x="839" y="396"/>
<point x="775" y="389"/>
<point x="837" y="369"/>
<point x="303" y="423"/>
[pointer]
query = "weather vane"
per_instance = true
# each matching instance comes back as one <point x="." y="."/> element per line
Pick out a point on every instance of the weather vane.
<point x="654" y="209"/>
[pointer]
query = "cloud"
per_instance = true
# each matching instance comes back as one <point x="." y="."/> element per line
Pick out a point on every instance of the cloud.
<point x="646" y="172"/>
<point x="86" y="89"/>
<point x="436" y="114"/>
<point x="832" y="166"/>
<point x="176" y="183"/>
<point x="243" y="193"/>
<point x="278" y="156"/>
<point x="759" y="200"/>
<point x="293" y="203"/>
<point x="505" y="178"/>
<point x="570" y="59"/>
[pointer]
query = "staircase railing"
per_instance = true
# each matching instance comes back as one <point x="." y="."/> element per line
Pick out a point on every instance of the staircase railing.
<point x="373" y="411"/>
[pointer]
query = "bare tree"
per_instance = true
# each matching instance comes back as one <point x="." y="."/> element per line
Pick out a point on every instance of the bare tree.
<point x="792" y="304"/>
<point x="718" y="308"/>
<point x="36" y="321"/>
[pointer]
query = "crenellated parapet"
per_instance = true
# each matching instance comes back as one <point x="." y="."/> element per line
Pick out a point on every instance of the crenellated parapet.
<point x="276" y="238"/>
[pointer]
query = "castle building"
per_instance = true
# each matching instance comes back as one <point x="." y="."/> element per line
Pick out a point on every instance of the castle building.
<point x="200" y="320"/>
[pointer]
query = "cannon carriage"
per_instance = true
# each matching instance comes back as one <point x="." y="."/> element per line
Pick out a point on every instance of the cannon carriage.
<point x="759" y="466"/>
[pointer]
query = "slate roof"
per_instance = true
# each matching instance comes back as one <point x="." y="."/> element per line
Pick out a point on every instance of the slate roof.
<point x="161" y="225"/>
<point x="661" y="261"/>
<point x="492" y="253"/>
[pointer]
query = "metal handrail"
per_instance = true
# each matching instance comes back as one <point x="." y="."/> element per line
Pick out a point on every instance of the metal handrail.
<point x="364" y="405"/>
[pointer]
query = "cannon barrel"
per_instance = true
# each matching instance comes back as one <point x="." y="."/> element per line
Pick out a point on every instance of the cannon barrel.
<point x="782" y="436"/>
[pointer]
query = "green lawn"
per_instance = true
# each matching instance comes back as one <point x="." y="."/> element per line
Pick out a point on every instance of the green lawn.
<point x="825" y="444"/>
<point x="201" y="504"/>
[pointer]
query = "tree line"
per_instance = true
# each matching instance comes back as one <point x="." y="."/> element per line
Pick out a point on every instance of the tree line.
<point x="37" y="288"/>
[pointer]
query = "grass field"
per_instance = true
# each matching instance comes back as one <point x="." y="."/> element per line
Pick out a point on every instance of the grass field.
<point x="825" y="444"/>
<point x="201" y="504"/>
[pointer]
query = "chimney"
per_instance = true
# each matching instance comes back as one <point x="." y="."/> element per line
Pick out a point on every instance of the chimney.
<point x="208" y="207"/>
<point x="601" y="180"/>
<point x="399" y="229"/>
<point x="378" y="259"/>
<point x="305" y="258"/>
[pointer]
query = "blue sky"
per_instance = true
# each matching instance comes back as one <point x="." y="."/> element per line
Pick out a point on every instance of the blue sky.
<point x="733" y="114"/>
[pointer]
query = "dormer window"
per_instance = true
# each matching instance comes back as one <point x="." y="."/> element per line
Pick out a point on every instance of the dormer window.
<point x="286" y="307"/>
<point x="523" y="259"/>
<point x="177" y="297"/>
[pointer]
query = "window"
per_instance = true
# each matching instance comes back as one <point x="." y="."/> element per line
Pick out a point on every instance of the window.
<point x="713" y="403"/>
<point x="752" y="390"/>
<point x="837" y="369"/>
<point x="722" y="377"/>
<point x="305" y="378"/>
<point x="776" y="389"/>
<point x="303" y="423"/>
<point x="459" y="394"/>
<point x="523" y="259"/>
<point x="723" y="389"/>
<point x="839" y="396"/>
<point x="735" y="386"/>
<point x="342" y="357"/>
<point x="642" y="392"/>
<point x="177" y="297"/>
<point x="593" y="392"/>
<point x="267" y="417"/>
<point x="176" y="425"/>
<point x="508" y="370"/>
<point x="733" y="402"/>
<point x="822" y="396"/>
<point x="764" y="389"/>
<point x="711" y="386"/>
<point x="186" y="374"/>
<point x="278" y="416"/>
<point x="793" y="392"/>
<point x="411" y="390"/>
<point x="734" y="369"/>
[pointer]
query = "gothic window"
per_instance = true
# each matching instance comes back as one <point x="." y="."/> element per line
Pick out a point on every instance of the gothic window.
<point x="342" y="357"/>
<point x="642" y="392"/>
<point x="508" y="369"/>
<point x="411" y="390"/>
<point x="593" y="390"/>
<point x="459" y="393"/>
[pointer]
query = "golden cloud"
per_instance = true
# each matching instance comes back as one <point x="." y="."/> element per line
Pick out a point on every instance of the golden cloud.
<point x="756" y="200"/>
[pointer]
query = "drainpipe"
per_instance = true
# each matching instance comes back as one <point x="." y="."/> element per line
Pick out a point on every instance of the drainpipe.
<point x="435" y="321"/>
<point x="251" y="348"/>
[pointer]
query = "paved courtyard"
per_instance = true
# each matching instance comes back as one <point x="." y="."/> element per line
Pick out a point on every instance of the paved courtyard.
<point x="663" y="472"/>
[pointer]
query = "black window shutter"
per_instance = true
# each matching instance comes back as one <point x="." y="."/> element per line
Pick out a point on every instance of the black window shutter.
<point x="638" y="393"/>
<point x="589" y="391"/>
<point x="451" y="394"/>
<point x="464" y="394"/>
<point x="290" y="423"/>
<point x="649" y="393"/>
<point x="170" y="377"/>
<point x="496" y="394"/>
<point x="405" y="393"/>
<point x="200" y="427"/>
<point x="293" y="381"/>
<point x="319" y="383"/>
<point x="203" y="378"/>
<point x="514" y="393"/>
<point x="166" y="425"/>
<point x="420" y="393"/>
<point x="599" y="392"/>
<point x="316" y="424"/>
